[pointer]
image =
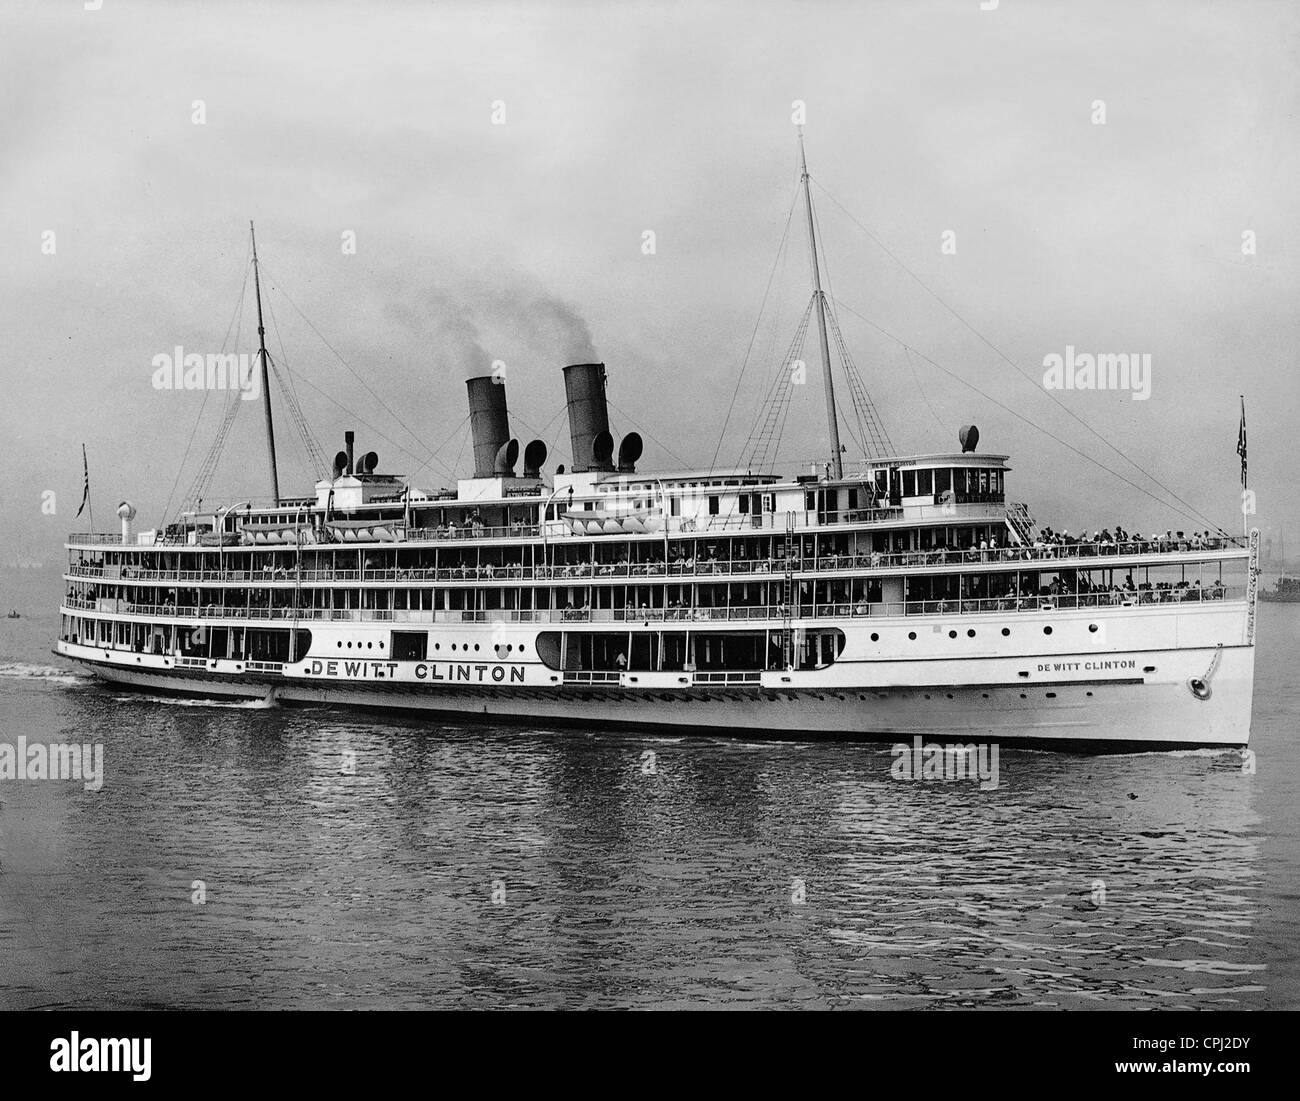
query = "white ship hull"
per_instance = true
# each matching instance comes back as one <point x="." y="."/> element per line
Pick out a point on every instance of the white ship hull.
<point x="1119" y="697"/>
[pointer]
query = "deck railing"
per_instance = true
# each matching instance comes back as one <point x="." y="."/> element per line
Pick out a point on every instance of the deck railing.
<point x="1053" y="558"/>
<point x="832" y="610"/>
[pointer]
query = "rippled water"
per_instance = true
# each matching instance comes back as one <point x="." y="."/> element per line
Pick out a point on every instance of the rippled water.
<point x="1151" y="880"/>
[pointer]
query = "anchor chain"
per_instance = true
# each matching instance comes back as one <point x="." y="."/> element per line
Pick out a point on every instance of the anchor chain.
<point x="1200" y="686"/>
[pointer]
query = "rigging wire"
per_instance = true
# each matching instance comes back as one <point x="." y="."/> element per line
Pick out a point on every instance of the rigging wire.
<point x="555" y="442"/>
<point x="848" y="426"/>
<point x="547" y="427"/>
<point x="757" y="321"/>
<point x="316" y="467"/>
<point x="315" y="454"/>
<point x="655" y="439"/>
<point x="766" y="437"/>
<point x="924" y="396"/>
<point x="870" y="424"/>
<point x="337" y="355"/>
<point x="236" y="320"/>
<point x="830" y="289"/>
<point x="431" y="458"/>
<point x="1026" y="420"/>
<point x="204" y="477"/>
<point x="463" y="441"/>
<point x="1193" y="514"/>
<point x="450" y="437"/>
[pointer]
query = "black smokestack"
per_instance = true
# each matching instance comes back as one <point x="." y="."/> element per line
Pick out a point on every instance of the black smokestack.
<point x="489" y="426"/>
<point x="584" y="392"/>
<point x="348" y="438"/>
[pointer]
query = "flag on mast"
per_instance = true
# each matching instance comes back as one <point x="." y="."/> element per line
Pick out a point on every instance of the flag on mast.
<point x="1241" y="441"/>
<point x="85" y="493"/>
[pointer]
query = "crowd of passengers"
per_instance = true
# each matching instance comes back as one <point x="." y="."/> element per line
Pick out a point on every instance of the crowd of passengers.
<point x="1084" y="593"/>
<point x="1047" y="544"/>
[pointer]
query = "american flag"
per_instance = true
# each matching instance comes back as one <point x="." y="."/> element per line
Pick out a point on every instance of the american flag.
<point x="1241" y="441"/>
<point x="85" y="493"/>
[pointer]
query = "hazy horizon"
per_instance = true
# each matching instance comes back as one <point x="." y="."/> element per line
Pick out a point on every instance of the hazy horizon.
<point x="522" y="242"/>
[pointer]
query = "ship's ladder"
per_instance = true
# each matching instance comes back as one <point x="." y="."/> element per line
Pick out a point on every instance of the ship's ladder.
<point x="1020" y="522"/>
<point x="787" y="596"/>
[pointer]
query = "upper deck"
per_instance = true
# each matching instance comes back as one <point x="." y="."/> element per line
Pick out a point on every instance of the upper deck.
<point x="895" y="492"/>
<point x="893" y="512"/>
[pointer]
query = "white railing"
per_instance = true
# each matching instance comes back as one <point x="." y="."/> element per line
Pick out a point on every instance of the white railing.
<point x="587" y="676"/>
<point x="842" y="609"/>
<point x="1054" y="557"/>
<point x="749" y="677"/>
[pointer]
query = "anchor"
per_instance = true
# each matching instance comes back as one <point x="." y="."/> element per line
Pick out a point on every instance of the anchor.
<point x="1200" y="686"/>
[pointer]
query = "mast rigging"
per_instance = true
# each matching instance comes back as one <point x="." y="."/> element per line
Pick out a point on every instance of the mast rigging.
<point x="837" y="465"/>
<point x="266" y="382"/>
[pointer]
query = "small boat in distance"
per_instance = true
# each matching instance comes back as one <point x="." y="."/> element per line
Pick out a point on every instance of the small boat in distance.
<point x="1285" y="591"/>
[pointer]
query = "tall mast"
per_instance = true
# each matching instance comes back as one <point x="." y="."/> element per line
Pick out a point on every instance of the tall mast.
<point x="266" y="382"/>
<point x="828" y="384"/>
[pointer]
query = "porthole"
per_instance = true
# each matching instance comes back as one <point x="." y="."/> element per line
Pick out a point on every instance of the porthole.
<point x="1051" y="695"/>
<point x="875" y="637"/>
<point x="950" y="695"/>
<point x="349" y="645"/>
<point x="986" y="695"/>
<point x="1047" y="630"/>
<point x="521" y="647"/>
<point x="1092" y="627"/>
<point x="952" y="634"/>
<point x="1090" y="693"/>
<point x="476" y="647"/>
<point x="970" y="633"/>
<point x="370" y="645"/>
<point x="911" y="635"/>
<point x="1023" y="696"/>
<point x="927" y="695"/>
<point x="453" y="646"/>
<point x="339" y="644"/>
<point x="1006" y="631"/>
<point x="437" y="645"/>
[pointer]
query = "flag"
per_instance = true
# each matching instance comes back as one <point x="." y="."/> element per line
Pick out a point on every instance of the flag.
<point x="85" y="493"/>
<point x="1241" y="441"/>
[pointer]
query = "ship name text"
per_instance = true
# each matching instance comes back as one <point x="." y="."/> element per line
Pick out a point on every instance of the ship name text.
<point x="461" y="672"/>
<point x="1087" y="666"/>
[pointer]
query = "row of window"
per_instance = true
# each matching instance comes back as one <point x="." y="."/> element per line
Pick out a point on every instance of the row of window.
<point x="404" y="639"/>
<point x="970" y="633"/>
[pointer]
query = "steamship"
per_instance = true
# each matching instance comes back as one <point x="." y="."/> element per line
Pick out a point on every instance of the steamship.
<point x="896" y="596"/>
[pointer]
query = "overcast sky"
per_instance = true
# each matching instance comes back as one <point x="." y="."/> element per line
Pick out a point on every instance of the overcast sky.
<point x="523" y="242"/>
